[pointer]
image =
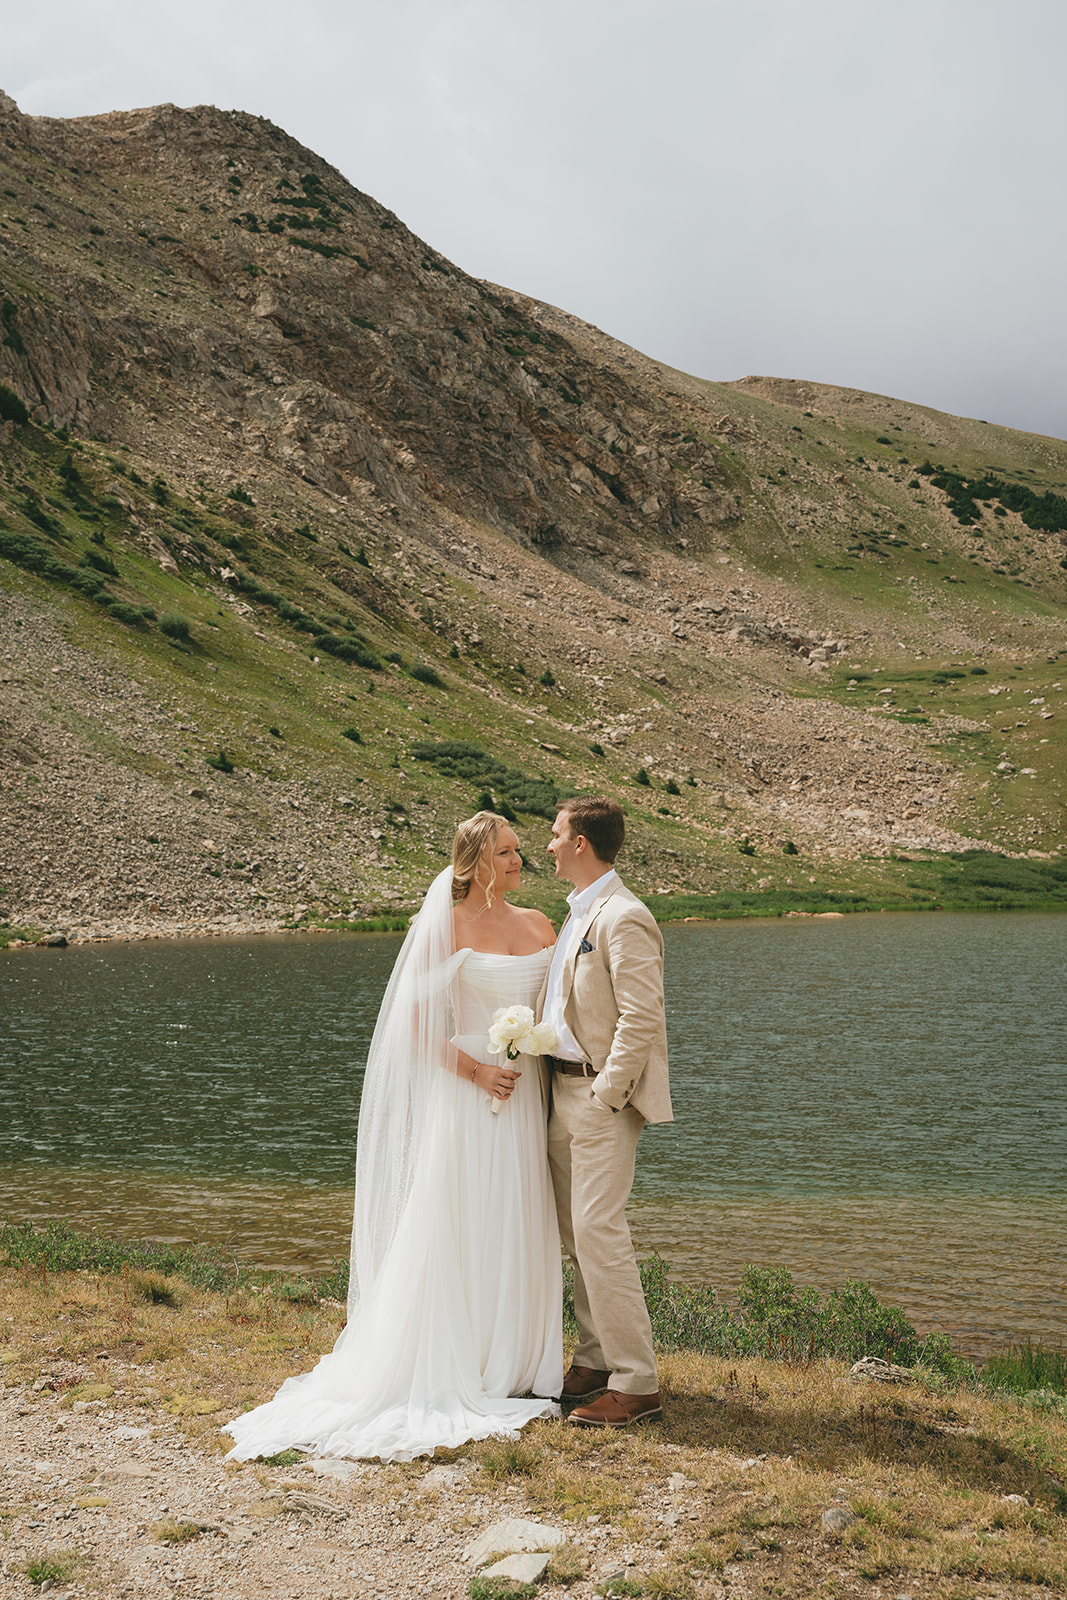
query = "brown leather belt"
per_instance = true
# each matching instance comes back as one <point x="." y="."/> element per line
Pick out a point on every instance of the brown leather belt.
<point x="572" y="1069"/>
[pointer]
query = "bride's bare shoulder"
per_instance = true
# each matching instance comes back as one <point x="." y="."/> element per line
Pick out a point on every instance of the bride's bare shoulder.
<point x="539" y="923"/>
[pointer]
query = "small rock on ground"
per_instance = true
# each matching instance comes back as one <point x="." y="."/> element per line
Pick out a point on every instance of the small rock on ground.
<point x="838" y="1519"/>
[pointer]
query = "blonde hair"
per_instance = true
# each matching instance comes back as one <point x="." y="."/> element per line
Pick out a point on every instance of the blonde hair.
<point x="475" y="841"/>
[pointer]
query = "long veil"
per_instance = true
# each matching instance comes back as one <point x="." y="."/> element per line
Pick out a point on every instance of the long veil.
<point x="409" y="1086"/>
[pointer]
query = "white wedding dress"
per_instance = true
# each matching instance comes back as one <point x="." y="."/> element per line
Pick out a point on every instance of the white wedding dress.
<point x="462" y="1315"/>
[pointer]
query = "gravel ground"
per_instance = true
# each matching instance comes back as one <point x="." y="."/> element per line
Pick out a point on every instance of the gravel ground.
<point x="100" y="1478"/>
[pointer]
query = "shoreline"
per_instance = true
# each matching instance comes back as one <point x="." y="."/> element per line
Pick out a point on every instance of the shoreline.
<point x="943" y="1286"/>
<point x="237" y="928"/>
<point x="764" y="1476"/>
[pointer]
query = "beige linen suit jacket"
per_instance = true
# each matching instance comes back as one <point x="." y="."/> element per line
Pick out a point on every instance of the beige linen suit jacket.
<point x="613" y="1004"/>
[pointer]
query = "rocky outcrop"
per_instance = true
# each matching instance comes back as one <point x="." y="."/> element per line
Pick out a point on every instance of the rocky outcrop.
<point x="283" y="310"/>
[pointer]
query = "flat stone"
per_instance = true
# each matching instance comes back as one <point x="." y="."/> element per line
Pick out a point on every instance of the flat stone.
<point x="510" y="1536"/>
<point x="446" y="1477"/>
<point x="131" y="1433"/>
<point x="335" y="1467"/>
<point x="128" y="1469"/>
<point x="838" y="1519"/>
<point x="526" y="1568"/>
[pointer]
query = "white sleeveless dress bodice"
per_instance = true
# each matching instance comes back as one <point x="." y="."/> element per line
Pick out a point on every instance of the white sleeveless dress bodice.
<point x="468" y="1313"/>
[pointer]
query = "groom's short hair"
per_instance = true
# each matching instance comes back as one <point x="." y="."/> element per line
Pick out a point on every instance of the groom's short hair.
<point x="599" y="820"/>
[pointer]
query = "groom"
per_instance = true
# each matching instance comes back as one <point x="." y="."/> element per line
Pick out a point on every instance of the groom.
<point x="604" y="998"/>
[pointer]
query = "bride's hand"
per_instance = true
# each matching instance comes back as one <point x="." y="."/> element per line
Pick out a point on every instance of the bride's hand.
<point x="498" y="1081"/>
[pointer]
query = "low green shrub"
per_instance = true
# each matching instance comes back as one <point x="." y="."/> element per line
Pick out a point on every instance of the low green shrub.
<point x="641" y="777"/>
<point x="12" y="408"/>
<point x="424" y="674"/>
<point x="221" y="762"/>
<point x="296" y="1292"/>
<point x="24" y="551"/>
<point x="174" y="625"/>
<point x="349" y="648"/>
<point x="56" y="1247"/>
<point x="776" y="1319"/>
<point x="547" y="679"/>
<point x="130" y="615"/>
<point x="346" y="733"/>
<point x="454" y="758"/>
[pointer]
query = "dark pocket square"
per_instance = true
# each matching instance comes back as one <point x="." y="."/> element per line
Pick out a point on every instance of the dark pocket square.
<point x="584" y="948"/>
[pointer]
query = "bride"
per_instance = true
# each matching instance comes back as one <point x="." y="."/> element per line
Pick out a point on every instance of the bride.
<point x="454" y="1310"/>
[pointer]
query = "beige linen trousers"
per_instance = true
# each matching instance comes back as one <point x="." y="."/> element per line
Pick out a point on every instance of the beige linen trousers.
<point x="613" y="1005"/>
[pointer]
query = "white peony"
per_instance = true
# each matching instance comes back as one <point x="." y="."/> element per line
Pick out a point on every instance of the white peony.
<point x="540" y="1040"/>
<point x="507" y="1025"/>
<point x="513" y="1031"/>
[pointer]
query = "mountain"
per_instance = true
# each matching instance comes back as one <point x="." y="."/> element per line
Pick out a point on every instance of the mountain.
<point x="309" y="540"/>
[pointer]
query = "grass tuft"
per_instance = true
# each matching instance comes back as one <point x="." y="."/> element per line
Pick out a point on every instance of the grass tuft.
<point x="156" y="1289"/>
<point x="481" y="1588"/>
<point x="567" y="1564"/>
<point x="170" y="1531"/>
<point x="58" y="1567"/>
<point x="507" y="1458"/>
<point x="1026" y="1369"/>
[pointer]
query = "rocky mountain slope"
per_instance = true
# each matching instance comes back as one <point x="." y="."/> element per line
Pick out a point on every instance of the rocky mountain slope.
<point x="285" y="491"/>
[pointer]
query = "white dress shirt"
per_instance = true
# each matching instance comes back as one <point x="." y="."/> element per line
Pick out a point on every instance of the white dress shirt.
<point x="580" y="902"/>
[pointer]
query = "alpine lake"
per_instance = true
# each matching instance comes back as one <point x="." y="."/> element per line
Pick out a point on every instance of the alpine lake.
<point x="878" y="1097"/>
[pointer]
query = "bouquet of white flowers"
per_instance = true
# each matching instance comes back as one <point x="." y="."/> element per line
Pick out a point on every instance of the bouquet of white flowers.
<point x="514" y="1032"/>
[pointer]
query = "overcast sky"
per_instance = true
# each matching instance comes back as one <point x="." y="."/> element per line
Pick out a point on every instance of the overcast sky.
<point x="864" y="192"/>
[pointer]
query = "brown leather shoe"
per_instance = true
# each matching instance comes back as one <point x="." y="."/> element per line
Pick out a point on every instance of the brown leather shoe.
<point x="614" y="1410"/>
<point x="581" y="1382"/>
